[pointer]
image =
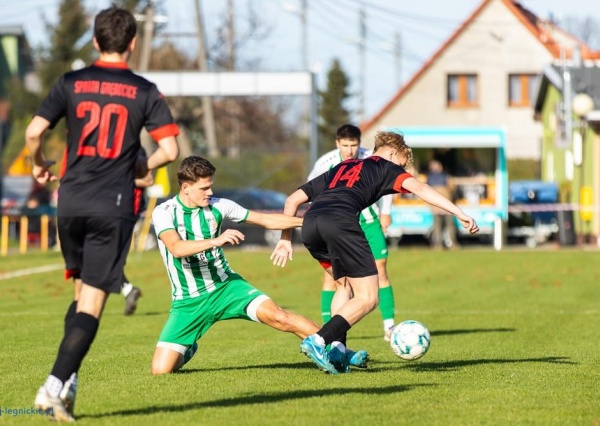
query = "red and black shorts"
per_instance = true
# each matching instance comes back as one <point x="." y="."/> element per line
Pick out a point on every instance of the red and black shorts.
<point x="95" y="249"/>
<point x="340" y="241"/>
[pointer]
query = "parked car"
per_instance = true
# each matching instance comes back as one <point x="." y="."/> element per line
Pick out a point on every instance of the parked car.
<point x="263" y="200"/>
<point x="14" y="191"/>
<point x="530" y="217"/>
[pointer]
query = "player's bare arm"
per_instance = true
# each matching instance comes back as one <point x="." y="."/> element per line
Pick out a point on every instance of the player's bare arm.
<point x="431" y="196"/>
<point x="273" y="220"/>
<point x="145" y="182"/>
<point x="181" y="248"/>
<point x="168" y="151"/>
<point x="33" y="139"/>
<point x="284" y="250"/>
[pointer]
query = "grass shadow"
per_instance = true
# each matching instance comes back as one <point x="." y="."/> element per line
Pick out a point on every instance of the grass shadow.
<point x="295" y="366"/>
<point x="442" y="333"/>
<point x="455" y="365"/>
<point x="470" y="331"/>
<point x="261" y="398"/>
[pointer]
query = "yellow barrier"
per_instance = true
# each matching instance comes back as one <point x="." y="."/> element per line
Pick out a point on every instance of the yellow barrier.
<point x="23" y="234"/>
<point x="4" y="236"/>
<point x="143" y="235"/>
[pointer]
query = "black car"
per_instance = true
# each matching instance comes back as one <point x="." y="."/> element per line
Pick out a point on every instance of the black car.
<point x="262" y="200"/>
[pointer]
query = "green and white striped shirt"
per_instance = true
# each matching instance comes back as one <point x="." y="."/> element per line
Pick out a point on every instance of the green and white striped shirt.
<point x="192" y="276"/>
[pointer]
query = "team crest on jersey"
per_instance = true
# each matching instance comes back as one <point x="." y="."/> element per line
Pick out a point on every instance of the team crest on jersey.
<point x="212" y="224"/>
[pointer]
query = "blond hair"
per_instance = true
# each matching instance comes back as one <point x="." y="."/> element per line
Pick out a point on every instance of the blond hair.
<point x="395" y="141"/>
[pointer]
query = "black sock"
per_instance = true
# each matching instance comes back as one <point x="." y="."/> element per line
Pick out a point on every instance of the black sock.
<point x="69" y="316"/>
<point x="341" y="338"/>
<point x="75" y="345"/>
<point x="336" y="327"/>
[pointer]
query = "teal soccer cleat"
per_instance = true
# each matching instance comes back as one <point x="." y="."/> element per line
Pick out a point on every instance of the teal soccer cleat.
<point x="340" y="360"/>
<point x="316" y="351"/>
<point x="357" y="359"/>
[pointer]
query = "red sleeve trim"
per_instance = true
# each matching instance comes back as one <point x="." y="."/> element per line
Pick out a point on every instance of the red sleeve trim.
<point x="164" y="132"/>
<point x="399" y="180"/>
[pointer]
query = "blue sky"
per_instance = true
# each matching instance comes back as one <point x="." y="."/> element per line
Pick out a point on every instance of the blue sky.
<point x="333" y="31"/>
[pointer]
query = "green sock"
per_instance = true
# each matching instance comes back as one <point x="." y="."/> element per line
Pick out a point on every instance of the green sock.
<point x="386" y="303"/>
<point x="326" y="298"/>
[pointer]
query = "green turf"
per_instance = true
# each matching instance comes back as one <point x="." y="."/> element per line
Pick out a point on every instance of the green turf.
<point x="515" y="340"/>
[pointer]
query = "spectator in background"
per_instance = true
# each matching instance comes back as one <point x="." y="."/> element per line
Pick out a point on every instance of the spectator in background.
<point x="444" y="229"/>
<point x="36" y="206"/>
<point x="34" y="223"/>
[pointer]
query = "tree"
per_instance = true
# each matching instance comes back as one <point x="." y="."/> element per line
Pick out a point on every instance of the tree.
<point x="69" y="42"/>
<point x="587" y="29"/>
<point x="332" y="111"/>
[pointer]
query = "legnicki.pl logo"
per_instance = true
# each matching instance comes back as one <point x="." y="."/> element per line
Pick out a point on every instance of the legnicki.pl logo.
<point x="25" y="411"/>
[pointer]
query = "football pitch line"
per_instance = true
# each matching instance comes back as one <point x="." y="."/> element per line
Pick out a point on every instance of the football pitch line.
<point x="30" y="271"/>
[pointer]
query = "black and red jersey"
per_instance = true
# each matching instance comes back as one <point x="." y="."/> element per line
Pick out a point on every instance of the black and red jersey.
<point x="106" y="106"/>
<point x="354" y="185"/>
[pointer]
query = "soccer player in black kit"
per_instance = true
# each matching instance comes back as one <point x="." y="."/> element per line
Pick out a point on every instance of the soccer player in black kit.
<point x="106" y="106"/>
<point x="331" y="232"/>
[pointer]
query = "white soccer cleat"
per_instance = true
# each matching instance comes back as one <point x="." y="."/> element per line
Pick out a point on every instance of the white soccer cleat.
<point x="53" y="406"/>
<point x="68" y="394"/>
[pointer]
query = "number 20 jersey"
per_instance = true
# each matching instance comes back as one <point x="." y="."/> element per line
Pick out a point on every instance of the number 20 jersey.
<point x="106" y="106"/>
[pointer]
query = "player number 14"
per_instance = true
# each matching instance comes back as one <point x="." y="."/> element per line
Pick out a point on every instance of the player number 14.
<point x="350" y="177"/>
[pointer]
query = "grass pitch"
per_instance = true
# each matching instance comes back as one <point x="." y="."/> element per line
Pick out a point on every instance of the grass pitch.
<point x="515" y="340"/>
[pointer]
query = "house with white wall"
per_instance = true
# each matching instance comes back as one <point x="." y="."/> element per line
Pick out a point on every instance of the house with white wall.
<point x="484" y="75"/>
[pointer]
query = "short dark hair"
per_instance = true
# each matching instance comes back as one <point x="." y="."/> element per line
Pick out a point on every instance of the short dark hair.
<point x="114" y="28"/>
<point x="348" y="131"/>
<point x="193" y="168"/>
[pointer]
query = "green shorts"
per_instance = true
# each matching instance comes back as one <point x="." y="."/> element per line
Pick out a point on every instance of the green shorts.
<point x="190" y="319"/>
<point x="376" y="239"/>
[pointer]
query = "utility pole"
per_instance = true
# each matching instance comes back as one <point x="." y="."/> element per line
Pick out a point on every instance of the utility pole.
<point x="304" y="35"/>
<point x="305" y="127"/>
<point x="398" y="57"/>
<point x="208" y="116"/>
<point x="363" y="62"/>
<point x="231" y="106"/>
<point x="566" y="95"/>
<point x="146" y="50"/>
<point x="230" y="37"/>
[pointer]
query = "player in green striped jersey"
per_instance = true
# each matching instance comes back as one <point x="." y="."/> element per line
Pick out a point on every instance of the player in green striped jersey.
<point x="205" y="289"/>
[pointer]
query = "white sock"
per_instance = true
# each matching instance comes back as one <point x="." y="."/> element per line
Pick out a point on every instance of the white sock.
<point x="340" y="346"/>
<point x="319" y="340"/>
<point x="53" y="385"/>
<point x="126" y="289"/>
<point x="72" y="380"/>
<point x="387" y="324"/>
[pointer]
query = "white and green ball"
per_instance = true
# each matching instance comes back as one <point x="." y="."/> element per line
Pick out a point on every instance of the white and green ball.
<point x="410" y="340"/>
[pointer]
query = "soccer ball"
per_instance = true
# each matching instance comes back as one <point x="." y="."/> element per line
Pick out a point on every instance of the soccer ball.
<point x="410" y="340"/>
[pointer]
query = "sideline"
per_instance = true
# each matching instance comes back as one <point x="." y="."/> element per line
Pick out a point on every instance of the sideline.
<point x="30" y="271"/>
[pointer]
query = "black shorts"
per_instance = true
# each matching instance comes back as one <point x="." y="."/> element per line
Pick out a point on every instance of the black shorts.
<point x="338" y="240"/>
<point x="95" y="249"/>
